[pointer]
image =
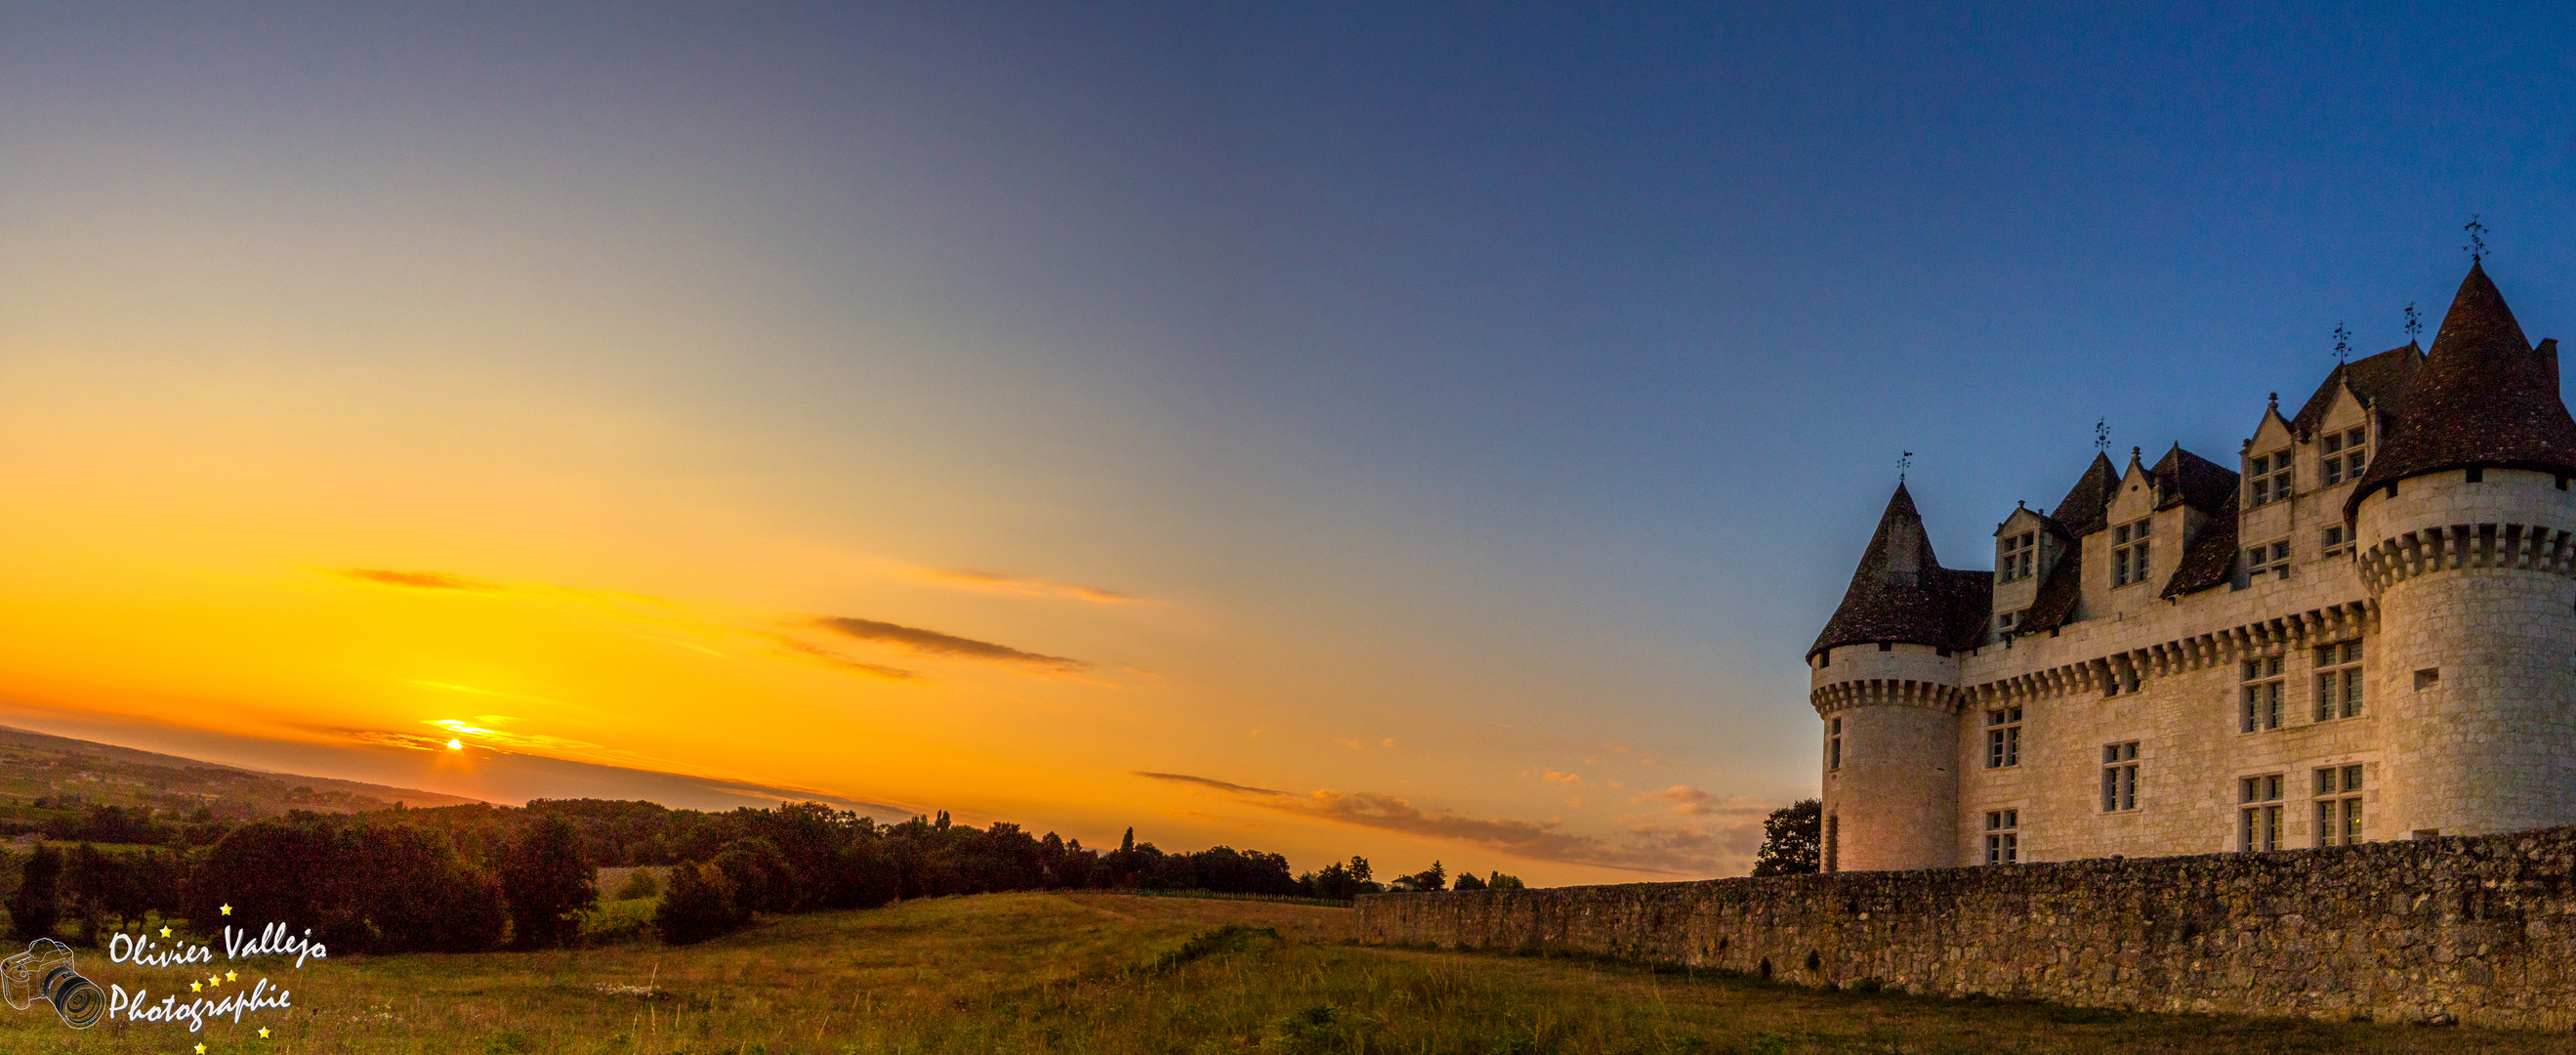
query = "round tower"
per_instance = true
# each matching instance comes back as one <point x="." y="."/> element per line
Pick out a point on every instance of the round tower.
<point x="1884" y="680"/>
<point x="2468" y="534"/>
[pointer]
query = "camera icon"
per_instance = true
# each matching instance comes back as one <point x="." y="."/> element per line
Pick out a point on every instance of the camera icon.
<point x="44" y="972"/>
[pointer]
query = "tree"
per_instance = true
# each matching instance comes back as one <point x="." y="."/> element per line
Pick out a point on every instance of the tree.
<point x="1432" y="878"/>
<point x="548" y="884"/>
<point x="761" y="878"/>
<point x="1468" y="881"/>
<point x="38" y="904"/>
<point x="700" y="905"/>
<point x="416" y="894"/>
<point x="1499" y="881"/>
<point x="1791" y="840"/>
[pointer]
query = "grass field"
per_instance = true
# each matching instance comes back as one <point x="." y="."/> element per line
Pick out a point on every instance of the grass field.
<point x="1111" y="973"/>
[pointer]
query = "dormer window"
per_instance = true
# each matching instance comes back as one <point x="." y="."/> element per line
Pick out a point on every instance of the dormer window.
<point x="2344" y="454"/>
<point x="2129" y="553"/>
<point x="2269" y="479"/>
<point x="2016" y="557"/>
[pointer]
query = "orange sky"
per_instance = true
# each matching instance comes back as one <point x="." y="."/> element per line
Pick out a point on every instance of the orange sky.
<point x="337" y="423"/>
<point x="228" y="527"/>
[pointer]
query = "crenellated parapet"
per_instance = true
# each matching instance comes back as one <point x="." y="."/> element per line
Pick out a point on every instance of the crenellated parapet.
<point x="1886" y="692"/>
<point x="2528" y="547"/>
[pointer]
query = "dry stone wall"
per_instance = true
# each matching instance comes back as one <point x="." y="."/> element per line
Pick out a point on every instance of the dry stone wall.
<point x="2472" y="929"/>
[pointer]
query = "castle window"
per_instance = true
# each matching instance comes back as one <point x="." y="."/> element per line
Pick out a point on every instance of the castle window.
<point x="2271" y="559"/>
<point x="2129" y="553"/>
<point x="2258" y="814"/>
<point x="2119" y="777"/>
<point x="2269" y="478"/>
<point x="2345" y="454"/>
<point x="2003" y="837"/>
<point x="2339" y="806"/>
<point x="2005" y="621"/>
<point x="1833" y="842"/>
<point x="1834" y="744"/>
<point x="2003" y="738"/>
<point x="2261" y="695"/>
<point x="2334" y="540"/>
<point x="2477" y="474"/>
<point x="2339" y="681"/>
<point x="2015" y="558"/>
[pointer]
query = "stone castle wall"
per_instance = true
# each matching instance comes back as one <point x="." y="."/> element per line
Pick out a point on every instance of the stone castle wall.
<point x="2475" y="929"/>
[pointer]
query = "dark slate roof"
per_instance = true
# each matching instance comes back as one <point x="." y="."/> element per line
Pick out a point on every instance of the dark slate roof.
<point x="2483" y="397"/>
<point x="1911" y="601"/>
<point x="2209" y="559"/>
<point x="2086" y="507"/>
<point x="2184" y="478"/>
<point x="2054" y="605"/>
<point x="2370" y="378"/>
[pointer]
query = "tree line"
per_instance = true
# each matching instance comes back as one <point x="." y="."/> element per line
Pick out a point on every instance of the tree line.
<point x="467" y="878"/>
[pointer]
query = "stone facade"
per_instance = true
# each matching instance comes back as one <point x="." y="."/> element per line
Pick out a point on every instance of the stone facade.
<point x="2470" y="929"/>
<point x="2187" y="658"/>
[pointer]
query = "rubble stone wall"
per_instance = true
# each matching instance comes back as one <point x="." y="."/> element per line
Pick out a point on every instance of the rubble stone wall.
<point x="2478" y="929"/>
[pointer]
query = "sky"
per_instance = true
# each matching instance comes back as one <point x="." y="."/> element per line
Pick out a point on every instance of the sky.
<point x="1423" y="432"/>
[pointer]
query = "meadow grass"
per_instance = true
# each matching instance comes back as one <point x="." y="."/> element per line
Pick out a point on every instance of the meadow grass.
<point x="1120" y="974"/>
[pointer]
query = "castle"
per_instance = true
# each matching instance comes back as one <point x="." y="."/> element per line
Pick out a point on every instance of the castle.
<point x="2365" y="630"/>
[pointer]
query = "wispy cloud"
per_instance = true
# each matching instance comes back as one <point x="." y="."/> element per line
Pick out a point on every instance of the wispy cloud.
<point x="419" y="580"/>
<point x="934" y="643"/>
<point x="1030" y="585"/>
<point x="1559" y="777"/>
<point x="1686" y="801"/>
<point x="818" y="654"/>
<point x="1647" y="848"/>
<point x="1183" y="778"/>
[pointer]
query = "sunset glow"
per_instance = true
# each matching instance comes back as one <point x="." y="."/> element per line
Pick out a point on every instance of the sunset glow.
<point x="1432" y="437"/>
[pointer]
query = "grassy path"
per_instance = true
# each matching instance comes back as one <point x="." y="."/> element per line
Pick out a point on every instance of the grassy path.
<point x="1114" y="974"/>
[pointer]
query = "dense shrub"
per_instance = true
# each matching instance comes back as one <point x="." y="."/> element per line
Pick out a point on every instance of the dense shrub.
<point x="699" y="906"/>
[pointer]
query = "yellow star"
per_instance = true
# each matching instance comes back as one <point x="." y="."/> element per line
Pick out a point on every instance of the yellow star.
<point x="195" y="986"/>
<point x="215" y="980"/>
<point x="201" y="1048"/>
<point x="165" y="932"/>
<point x="231" y="976"/>
<point x="263" y="1032"/>
<point x="228" y="908"/>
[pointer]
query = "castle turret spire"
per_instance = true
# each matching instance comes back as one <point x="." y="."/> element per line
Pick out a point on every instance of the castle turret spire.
<point x="2484" y="397"/>
<point x="1901" y="593"/>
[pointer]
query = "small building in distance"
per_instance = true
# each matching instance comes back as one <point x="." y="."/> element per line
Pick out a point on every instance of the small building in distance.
<point x="2361" y="627"/>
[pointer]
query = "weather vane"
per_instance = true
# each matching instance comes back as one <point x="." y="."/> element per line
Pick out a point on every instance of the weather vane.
<point x="2102" y="435"/>
<point x="1902" y="464"/>
<point x="2477" y="246"/>
<point x="2343" y="343"/>
<point x="2414" y="322"/>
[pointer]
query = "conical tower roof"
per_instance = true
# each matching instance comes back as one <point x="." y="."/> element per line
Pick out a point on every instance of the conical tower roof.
<point x="2085" y="509"/>
<point x="1901" y="593"/>
<point x="2484" y="397"/>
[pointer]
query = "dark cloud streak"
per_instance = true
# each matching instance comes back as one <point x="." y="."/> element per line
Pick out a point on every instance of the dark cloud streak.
<point x="932" y="642"/>
<point x="1649" y="848"/>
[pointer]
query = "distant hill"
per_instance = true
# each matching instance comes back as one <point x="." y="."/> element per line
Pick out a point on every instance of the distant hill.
<point x="40" y="772"/>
